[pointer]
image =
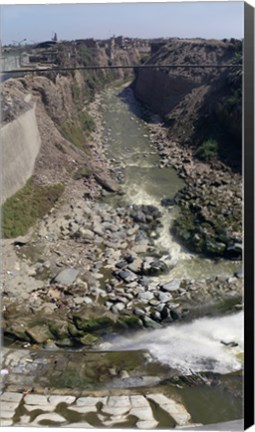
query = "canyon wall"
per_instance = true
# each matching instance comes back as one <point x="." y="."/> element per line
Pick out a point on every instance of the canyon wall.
<point x="197" y="103"/>
<point x="45" y="121"/>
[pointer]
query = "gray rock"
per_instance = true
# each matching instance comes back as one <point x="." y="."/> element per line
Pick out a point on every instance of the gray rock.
<point x="87" y="300"/>
<point x="135" y="289"/>
<point x="160" y="307"/>
<point x="118" y="307"/>
<point x="127" y="276"/>
<point x="78" y="300"/>
<point x="152" y="286"/>
<point x="164" y="297"/>
<point x="146" y="296"/>
<point x="97" y="229"/>
<point x="136" y="265"/>
<point x="86" y="234"/>
<point x="140" y="248"/>
<point x="145" y="281"/>
<point x="154" y="302"/>
<point x="148" y="322"/>
<point x="67" y="276"/>
<point x="121" y="264"/>
<point x="133" y="230"/>
<point x="122" y="300"/>
<point x="107" y="183"/>
<point x="139" y="312"/>
<point x="174" y="285"/>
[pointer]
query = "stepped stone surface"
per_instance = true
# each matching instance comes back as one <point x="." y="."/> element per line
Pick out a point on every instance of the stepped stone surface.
<point x="132" y="409"/>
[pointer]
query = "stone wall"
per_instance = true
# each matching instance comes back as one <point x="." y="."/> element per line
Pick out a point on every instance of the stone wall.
<point x="20" y="145"/>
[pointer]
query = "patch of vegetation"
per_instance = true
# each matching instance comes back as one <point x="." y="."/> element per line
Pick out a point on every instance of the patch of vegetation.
<point x="86" y="55"/>
<point x="75" y="90"/>
<point x="87" y="122"/>
<point x="73" y="133"/>
<point x="32" y="202"/>
<point x="207" y="151"/>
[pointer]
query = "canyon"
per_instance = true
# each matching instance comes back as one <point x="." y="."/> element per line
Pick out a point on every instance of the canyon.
<point x="132" y="229"/>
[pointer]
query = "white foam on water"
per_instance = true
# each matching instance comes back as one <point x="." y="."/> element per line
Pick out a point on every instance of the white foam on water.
<point x="196" y="346"/>
<point x="137" y="195"/>
<point x="167" y="242"/>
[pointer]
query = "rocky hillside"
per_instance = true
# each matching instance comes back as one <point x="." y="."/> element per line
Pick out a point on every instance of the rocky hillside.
<point x="198" y="104"/>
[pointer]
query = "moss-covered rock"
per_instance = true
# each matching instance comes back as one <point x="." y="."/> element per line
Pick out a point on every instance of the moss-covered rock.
<point x="92" y="324"/>
<point x="89" y="339"/>
<point x="16" y="330"/>
<point x="129" y="323"/>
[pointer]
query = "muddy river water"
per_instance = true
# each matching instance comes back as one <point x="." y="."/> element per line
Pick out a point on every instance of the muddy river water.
<point x="195" y="346"/>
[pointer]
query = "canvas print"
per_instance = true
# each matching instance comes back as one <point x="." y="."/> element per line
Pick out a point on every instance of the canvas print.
<point x="121" y="195"/>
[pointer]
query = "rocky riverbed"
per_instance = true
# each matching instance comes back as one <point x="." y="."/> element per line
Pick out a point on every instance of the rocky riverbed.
<point x="210" y="220"/>
<point x="89" y="269"/>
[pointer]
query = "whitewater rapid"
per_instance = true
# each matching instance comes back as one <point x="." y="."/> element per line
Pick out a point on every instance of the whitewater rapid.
<point x="204" y="344"/>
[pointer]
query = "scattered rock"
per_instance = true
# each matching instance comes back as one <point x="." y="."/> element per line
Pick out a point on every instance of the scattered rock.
<point x="126" y="275"/>
<point x="66" y="277"/>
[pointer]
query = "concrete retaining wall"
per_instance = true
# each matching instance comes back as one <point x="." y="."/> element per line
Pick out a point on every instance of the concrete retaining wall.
<point x="20" y="145"/>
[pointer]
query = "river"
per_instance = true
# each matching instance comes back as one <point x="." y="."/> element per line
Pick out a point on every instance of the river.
<point x="205" y="344"/>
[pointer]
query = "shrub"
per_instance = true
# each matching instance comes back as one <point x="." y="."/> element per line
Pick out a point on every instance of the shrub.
<point x="208" y="150"/>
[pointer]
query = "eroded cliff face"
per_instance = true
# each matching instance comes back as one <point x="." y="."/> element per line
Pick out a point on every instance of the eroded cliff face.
<point x="196" y="103"/>
<point x="61" y="125"/>
<point x="52" y="103"/>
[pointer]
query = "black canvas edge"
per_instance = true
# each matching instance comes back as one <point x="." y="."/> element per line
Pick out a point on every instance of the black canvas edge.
<point x="248" y="178"/>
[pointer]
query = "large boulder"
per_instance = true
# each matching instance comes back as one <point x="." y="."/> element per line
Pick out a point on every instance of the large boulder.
<point x="107" y="183"/>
